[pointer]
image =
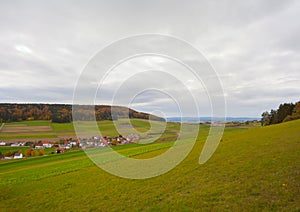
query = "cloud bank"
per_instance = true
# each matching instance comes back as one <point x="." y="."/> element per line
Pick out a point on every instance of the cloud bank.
<point x="254" y="47"/>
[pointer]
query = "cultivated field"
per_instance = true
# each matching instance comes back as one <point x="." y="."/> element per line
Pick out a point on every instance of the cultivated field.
<point x="45" y="130"/>
<point x="254" y="169"/>
<point x="27" y="130"/>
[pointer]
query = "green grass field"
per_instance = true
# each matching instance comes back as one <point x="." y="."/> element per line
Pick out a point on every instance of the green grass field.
<point x="253" y="169"/>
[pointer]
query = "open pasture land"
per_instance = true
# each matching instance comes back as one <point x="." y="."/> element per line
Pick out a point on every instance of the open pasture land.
<point x="252" y="170"/>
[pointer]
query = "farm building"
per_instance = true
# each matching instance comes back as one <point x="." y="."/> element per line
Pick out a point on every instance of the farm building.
<point x="47" y="144"/>
<point x="18" y="156"/>
<point x="15" y="145"/>
<point x="39" y="146"/>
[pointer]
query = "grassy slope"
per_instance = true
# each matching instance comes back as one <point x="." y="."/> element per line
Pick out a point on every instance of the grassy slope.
<point x="256" y="169"/>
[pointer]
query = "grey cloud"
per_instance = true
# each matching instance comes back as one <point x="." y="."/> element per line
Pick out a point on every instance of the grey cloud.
<point x="253" y="45"/>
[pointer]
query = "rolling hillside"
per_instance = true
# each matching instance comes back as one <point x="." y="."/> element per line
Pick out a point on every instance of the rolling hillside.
<point x="253" y="169"/>
<point x="62" y="113"/>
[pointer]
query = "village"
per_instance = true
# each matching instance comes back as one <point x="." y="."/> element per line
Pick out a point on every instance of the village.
<point x="63" y="145"/>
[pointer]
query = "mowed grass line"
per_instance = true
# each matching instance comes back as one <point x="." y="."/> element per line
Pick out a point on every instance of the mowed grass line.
<point x="252" y="170"/>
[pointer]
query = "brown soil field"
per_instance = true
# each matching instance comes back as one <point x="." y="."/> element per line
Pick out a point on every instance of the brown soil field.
<point x="15" y="125"/>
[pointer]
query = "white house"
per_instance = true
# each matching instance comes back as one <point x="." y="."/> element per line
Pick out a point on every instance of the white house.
<point x="68" y="146"/>
<point x="73" y="143"/>
<point x="18" y="156"/>
<point x="39" y="146"/>
<point x="47" y="144"/>
<point x="102" y="145"/>
<point x="15" y="145"/>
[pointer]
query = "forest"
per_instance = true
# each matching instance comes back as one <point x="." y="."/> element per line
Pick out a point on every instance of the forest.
<point x="62" y="113"/>
<point x="285" y="112"/>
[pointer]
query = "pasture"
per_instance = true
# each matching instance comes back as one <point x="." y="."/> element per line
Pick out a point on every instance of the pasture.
<point x="253" y="169"/>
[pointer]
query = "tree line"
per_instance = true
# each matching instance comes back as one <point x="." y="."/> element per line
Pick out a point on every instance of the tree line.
<point x="285" y="112"/>
<point x="62" y="113"/>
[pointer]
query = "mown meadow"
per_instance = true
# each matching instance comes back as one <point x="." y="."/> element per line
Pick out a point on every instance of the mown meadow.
<point x="253" y="169"/>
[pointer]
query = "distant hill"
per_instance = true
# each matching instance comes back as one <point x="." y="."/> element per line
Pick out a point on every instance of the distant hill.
<point x="62" y="113"/>
<point x="209" y="119"/>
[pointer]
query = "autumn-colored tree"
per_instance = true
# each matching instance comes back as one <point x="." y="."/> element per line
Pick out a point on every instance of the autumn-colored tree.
<point x="34" y="153"/>
<point x="295" y="114"/>
<point x="63" y="113"/>
<point x="42" y="152"/>
<point x="27" y="152"/>
<point x="8" y="154"/>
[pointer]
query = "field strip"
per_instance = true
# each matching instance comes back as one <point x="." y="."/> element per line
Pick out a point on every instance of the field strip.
<point x="128" y="152"/>
<point x="43" y="164"/>
<point x="81" y="157"/>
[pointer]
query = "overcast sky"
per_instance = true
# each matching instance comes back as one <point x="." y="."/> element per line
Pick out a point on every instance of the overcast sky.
<point x="254" y="46"/>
